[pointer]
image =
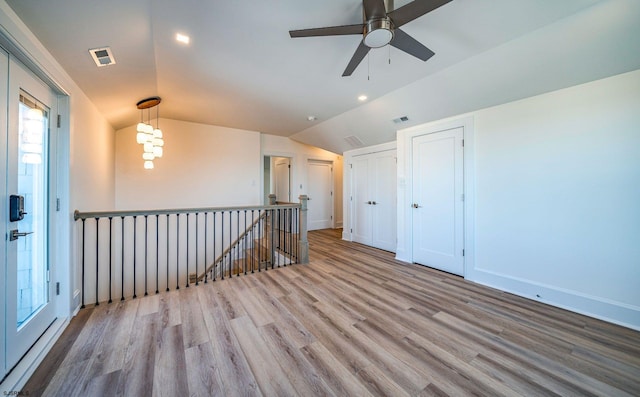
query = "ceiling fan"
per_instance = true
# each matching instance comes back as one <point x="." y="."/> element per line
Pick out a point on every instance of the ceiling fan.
<point x="381" y="26"/>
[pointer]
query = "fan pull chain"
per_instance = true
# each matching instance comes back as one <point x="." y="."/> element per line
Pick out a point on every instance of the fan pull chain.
<point x="368" y="66"/>
<point x="388" y="45"/>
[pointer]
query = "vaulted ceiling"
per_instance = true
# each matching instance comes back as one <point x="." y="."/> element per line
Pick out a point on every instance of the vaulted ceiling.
<point x="242" y="70"/>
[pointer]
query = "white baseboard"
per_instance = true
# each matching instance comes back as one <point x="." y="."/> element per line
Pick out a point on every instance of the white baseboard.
<point x="592" y="306"/>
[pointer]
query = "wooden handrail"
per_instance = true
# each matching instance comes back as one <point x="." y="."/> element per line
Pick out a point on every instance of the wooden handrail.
<point x="114" y="214"/>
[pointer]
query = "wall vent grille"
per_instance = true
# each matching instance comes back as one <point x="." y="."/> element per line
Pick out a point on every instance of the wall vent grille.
<point x="401" y="119"/>
<point x="354" y="141"/>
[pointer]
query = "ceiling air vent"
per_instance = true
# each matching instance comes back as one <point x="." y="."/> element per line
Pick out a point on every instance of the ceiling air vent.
<point x="354" y="141"/>
<point x="102" y="56"/>
<point x="401" y="119"/>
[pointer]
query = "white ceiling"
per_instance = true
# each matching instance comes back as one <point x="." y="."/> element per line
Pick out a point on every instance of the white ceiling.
<point x="242" y="69"/>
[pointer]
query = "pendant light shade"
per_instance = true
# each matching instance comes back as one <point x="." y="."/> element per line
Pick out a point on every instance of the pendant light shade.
<point x="157" y="151"/>
<point x="141" y="137"/>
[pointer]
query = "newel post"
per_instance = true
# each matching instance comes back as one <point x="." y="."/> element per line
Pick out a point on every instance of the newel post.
<point x="272" y="230"/>
<point x="303" y="243"/>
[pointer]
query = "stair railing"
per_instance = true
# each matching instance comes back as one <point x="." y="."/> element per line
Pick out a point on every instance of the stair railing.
<point x="125" y="254"/>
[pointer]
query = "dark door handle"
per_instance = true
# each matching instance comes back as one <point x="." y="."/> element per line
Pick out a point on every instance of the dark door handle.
<point x="15" y="234"/>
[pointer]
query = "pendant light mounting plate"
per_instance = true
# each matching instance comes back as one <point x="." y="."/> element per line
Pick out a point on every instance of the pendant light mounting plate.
<point x="148" y="103"/>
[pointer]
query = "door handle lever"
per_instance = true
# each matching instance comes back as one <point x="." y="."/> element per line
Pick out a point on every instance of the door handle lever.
<point x="15" y="234"/>
<point x="415" y="205"/>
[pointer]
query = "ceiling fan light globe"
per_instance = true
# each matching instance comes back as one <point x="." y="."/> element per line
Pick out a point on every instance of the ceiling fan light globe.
<point x="378" y="33"/>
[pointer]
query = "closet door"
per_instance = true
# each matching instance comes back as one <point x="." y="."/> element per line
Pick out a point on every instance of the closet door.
<point x="383" y="203"/>
<point x="438" y="224"/>
<point x="373" y="199"/>
<point x="361" y="200"/>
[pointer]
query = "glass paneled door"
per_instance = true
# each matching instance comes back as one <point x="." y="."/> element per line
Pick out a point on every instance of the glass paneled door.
<point x="29" y="308"/>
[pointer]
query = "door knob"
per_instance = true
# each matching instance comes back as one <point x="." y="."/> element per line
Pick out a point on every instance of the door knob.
<point x="415" y="205"/>
<point x="374" y="203"/>
<point x="15" y="234"/>
<point x="369" y="202"/>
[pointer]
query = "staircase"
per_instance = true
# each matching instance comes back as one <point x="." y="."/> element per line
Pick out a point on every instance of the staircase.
<point x="269" y="242"/>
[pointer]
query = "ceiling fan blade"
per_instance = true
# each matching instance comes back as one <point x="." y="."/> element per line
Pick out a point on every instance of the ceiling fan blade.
<point x="357" y="57"/>
<point x="408" y="44"/>
<point x="328" y="31"/>
<point x="413" y="10"/>
<point x="374" y="9"/>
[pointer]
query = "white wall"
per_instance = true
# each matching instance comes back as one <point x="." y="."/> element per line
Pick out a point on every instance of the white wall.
<point x="300" y="153"/>
<point x="557" y="193"/>
<point x="92" y="157"/>
<point x="202" y="166"/>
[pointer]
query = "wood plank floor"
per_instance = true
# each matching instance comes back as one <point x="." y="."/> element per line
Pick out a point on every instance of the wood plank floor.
<point x="354" y="322"/>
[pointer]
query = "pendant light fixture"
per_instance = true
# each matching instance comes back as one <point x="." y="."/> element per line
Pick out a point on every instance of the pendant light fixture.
<point x="150" y="138"/>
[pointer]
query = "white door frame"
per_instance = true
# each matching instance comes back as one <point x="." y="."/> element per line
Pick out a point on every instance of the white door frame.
<point x="405" y="186"/>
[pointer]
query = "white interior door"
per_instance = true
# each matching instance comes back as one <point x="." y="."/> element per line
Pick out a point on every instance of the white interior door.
<point x="438" y="222"/>
<point x="383" y="200"/>
<point x="283" y="179"/>
<point x="29" y="150"/>
<point x="362" y="228"/>
<point x="373" y="199"/>
<point x="320" y="188"/>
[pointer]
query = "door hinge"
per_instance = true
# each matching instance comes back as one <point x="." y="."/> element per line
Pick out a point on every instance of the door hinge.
<point x="463" y="252"/>
<point x="57" y="288"/>
<point x="59" y="121"/>
<point x="350" y="165"/>
<point x="463" y="143"/>
<point x="57" y="204"/>
<point x="351" y="230"/>
<point x="331" y="193"/>
<point x="462" y="197"/>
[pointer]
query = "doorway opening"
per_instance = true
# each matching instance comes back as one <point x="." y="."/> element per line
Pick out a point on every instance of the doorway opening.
<point x="277" y="178"/>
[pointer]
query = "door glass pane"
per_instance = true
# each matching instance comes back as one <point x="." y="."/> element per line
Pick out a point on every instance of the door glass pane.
<point x="32" y="185"/>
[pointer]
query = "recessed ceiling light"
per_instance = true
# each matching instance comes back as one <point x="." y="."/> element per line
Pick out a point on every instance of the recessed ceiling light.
<point x="362" y="98"/>
<point x="312" y="118"/>
<point x="182" y="38"/>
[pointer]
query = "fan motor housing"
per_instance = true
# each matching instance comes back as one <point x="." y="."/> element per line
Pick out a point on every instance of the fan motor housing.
<point x="378" y="33"/>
